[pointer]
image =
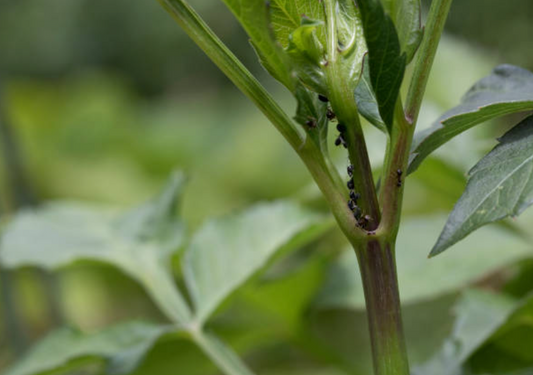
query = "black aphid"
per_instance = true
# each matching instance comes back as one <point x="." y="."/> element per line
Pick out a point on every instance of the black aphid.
<point x="350" y="170"/>
<point x="350" y="184"/>
<point x="354" y="196"/>
<point x="330" y="115"/>
<point x="357" y="213"/>
<point x="322" y="98"/>
<point x="341" y="128"/>
<point x="352" y="205"/>
<point x="399" y="173"/>
<point x="340" y="141"/>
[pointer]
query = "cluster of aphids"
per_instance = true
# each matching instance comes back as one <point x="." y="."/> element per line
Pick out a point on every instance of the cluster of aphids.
<point x="362" y="220"/>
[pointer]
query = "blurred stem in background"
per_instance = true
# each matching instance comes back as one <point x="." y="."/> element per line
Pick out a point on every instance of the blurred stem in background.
<point x="19" y="194"/>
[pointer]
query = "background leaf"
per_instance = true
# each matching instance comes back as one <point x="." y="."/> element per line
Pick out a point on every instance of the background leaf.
<point x="225" y="252"/>
<point x="225" y="358"/>
<point x="509" y="89"/>
<point x="484" y="339"/>
<point x="499" y="186"/>
<point x="122" y="347"/>
<point x="478" y="316"/>
<point x="425" y="279"/>
<point x="139" y="242"/>
<point x="385" y="58"/>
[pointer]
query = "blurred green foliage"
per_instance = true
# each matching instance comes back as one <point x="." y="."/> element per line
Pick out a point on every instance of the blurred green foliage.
<point x="104" y="99"/>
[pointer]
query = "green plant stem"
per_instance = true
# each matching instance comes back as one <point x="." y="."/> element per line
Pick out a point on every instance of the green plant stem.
<point x="438" y="13"/>
<point x="335" y="197"/>
<point x="391" y="196"/>
<point x="325" y="175"/>
<point x="377" y="259"/>
<point x="343" y="103"/>
<point x="394" y="172"/>
<point x="378" y="272"/>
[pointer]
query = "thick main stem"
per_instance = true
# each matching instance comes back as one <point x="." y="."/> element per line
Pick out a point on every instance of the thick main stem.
<point x="378" y="272"/>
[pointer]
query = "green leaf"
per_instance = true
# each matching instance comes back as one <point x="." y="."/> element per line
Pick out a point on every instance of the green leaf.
<point x="406" y="15"/>
<point x="423" y="279"/>
<point x="478" y="316"/>
<point x="385" y="58"/>
<point x="286" y="16"/>
<point x="307" y="54"/>
<point x="499" y="186"/>
<point x="121" y="347"/>
<point x="254" y="17"/>
<point x="509" y="89"/>
<point x="270" y="294"/>
<point x="139" y="242"/>
<point x="486" y="324"/>
<point x="351" y="42"/>
<point x="227" y="251"/>
<point x="366" y="100"/>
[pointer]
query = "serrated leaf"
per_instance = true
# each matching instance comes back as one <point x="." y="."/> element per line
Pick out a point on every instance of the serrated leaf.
<point x="509" y="89"/>
<point x="227" y="251"/>
<point x="499" y="186"/>
<point x="367" y="103"/>
<point x="476" y="257"/>
<point x="406" y="15"/>
<point x="385" y="58"/>
<point x="122" y="347"/>
<point x="254" y="17"/>
<point x="139" y="242"/>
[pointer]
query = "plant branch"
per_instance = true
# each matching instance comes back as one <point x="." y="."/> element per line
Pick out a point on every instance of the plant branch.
<point x="217" y="51"/>
<point x="343" y="103"/>
<point x="394" y="172"/>
<point x="391" y="195"/>
<point x="438" y="13"/>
